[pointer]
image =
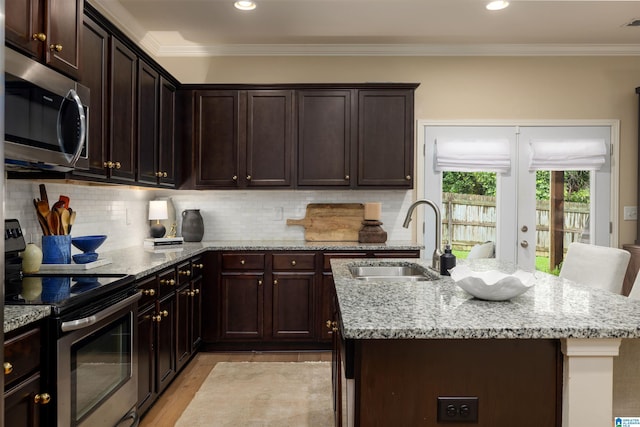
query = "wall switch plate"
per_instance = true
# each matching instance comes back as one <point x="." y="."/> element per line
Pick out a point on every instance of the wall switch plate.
<point x="630" y="213"/>
<point x="457" y="409"/>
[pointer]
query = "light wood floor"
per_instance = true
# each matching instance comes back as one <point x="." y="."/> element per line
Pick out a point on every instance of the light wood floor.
<point x="168" y="408"/>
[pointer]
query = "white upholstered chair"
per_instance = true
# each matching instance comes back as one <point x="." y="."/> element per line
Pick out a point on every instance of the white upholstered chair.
<point x="597" y="266"/>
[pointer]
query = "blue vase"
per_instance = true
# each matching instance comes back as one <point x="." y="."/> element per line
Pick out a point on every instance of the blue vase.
<point x="56" y="249"/>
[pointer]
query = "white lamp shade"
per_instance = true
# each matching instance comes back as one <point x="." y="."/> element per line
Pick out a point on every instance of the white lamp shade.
<point x="158" y="210"/>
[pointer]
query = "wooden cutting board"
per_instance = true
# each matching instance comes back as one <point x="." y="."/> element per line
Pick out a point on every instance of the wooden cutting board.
<point x="331" y="222"/>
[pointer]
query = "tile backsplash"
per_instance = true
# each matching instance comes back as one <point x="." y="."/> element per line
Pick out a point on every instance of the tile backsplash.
<point x="121" y="211"/>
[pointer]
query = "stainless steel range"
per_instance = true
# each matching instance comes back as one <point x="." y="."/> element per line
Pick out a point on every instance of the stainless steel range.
<point x="91" y="353"/>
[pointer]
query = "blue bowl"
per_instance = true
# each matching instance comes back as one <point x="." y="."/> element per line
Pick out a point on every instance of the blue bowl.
<point x="85" y="258"/>
<point x="88" y="243"/>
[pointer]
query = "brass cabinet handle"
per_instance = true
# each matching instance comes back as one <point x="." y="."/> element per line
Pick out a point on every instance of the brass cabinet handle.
<point x="408" y="177"/>
<point x="293" y="263"/>
<point x="56" y="47"/>
<point x="248" y="177"/>
<point x="150" y="292"/>
<point x="42" y="398"/>
<point x="198" y="265"/>
<point x="39" y="37"/>
<point x="328" y="323"/>
<point x="112" y="165"/>
<point x="169" y="282"/>
<point x="8" y="368"/>
<point x="184" y="272"/>
<point x="164" y="313"/>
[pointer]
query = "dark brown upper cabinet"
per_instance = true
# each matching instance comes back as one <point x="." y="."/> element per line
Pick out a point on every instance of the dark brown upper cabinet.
<point x="148" y="103"/>
<point x="167" y="162"/>
<point x="48" y="30"/>
<point x="385" y="138"/>
<point x="325" y="137"/>
<point x="243" y="138"/>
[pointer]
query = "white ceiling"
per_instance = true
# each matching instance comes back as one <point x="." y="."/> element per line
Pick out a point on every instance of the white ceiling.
<point x="378" y="27"/>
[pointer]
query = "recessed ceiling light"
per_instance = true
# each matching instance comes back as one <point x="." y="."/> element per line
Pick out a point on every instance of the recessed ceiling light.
<point x="245" y="5"/>
<point x="497" y="5"/>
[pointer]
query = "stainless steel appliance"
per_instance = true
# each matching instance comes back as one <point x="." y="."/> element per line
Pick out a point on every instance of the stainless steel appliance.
<point x="91" y="361"/>
<point x="46" y="117"/>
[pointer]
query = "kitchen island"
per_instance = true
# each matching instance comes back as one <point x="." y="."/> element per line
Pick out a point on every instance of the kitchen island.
<point x="544" y="358"/>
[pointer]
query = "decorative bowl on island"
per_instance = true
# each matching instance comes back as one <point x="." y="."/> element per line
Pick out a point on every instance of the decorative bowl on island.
<point x="492" y="285"/>
<point x="88" y="243"/>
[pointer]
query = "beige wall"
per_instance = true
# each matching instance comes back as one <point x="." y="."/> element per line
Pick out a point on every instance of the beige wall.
<point x="468" y="88"/>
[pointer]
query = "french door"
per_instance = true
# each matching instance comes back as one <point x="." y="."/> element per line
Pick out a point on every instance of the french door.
<point x="522" y="229"/>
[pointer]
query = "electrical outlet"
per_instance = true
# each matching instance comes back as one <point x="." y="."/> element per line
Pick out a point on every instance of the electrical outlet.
<point x="457" y="409"/>
<point x="630" y="213"/>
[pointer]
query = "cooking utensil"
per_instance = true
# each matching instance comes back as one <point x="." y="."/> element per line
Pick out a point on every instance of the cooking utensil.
<point x="72" y="219"/>
<point x="331" y="222"/>
<point x="53" y="219"/>
<point x="43" y="194"/>
<point x="64" y="220"/>
<point x="65" y="200"/>
<point x="41" y="219"/>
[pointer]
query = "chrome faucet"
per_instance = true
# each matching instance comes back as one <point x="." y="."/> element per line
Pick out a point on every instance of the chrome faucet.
<point x="435" y="259"/>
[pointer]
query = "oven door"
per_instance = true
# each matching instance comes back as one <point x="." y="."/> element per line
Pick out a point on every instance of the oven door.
<point x="97" y="370"/>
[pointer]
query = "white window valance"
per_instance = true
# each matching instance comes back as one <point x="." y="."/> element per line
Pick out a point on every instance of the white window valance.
<point x="567" y="154"/>
<point x="473" y="155"/>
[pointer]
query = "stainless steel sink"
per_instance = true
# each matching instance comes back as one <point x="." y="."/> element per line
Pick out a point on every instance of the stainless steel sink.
<point x="392" y="272"/>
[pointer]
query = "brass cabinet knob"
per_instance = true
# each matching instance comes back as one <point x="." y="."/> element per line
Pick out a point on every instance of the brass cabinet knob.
<point x="158" y="174"/>
<point x="408" y="177"/>
<point x="169" y="282"/>
<point x="191" y="293"/>
<point x="150" y="292"/>
<point x="275" y="282"/>
<point x="157" y="318"/>
<point x="328" y="323"/>
<point x="39" y="37"/>
<point x="293" y="263"/>
<point x="235" y="177"/>
<point x="56" y="47"/>
<point x="164" y="174"/>
<point x="259" y="282"/>
<point x="108" y="164"/>
<point x="198" y="265"/>
<point x="334" y="326"/>
<point x="248" y="177"/>
<point x="196" y="291"/>
<point x="164" y="313"/>
<point x="184" y="272"/>
<point x="42" y="398"/>
<point x="117" y="165"/>
<point x="242" y="261"/>
<point x="8" y="368"/>
<point x="347" y="177"/>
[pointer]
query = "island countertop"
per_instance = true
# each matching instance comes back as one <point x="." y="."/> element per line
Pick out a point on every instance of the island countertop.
<point x="554" y="308"/>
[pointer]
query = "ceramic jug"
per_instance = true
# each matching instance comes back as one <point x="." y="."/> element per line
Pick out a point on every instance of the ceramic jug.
<point x="192" y="225"/>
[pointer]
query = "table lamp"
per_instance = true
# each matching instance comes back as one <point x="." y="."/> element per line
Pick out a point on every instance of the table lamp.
<point x="157" y="211"/>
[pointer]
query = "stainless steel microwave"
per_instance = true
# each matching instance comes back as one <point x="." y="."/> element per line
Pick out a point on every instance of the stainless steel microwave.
<point x="45" y="117"/>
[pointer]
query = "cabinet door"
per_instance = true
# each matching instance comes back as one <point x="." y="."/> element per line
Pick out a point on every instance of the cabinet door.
<point x="325" y="136"/>
<point x="269" y="138"/>
<point x="95" y="55"/>
<point x="183" y="338"/>
<point x="24" y="19"/>
<point x="166" y="137"/>
<point x="292" y="313"/>
<point x="122" y="141"/>
<point x="148" y="101"/>
<point x="19" y="407"/>
<point x="146" y="359"/>
<point x="165" y="351"/>
<point x="196" y="314"/>
<point x="385" y="138"/>
<point x="217" y="119"/>
<point x="242" y="306"/>
<point x="64" y="26"/>
<point x="327" y="306"/>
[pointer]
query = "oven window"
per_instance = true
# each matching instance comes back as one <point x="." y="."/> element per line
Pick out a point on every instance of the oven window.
<point x="100" y="364"/>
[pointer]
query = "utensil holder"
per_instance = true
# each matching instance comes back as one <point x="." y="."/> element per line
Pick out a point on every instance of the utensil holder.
<point x="56" y="249"/>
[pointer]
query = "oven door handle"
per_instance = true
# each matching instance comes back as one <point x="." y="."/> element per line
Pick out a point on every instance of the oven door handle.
<point x="85" y="322"/>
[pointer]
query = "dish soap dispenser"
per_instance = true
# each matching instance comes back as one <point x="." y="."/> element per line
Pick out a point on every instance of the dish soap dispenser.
<point x="447" y="261"/>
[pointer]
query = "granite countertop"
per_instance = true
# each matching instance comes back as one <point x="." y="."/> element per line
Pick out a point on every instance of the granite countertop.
<point x="140" y="261"/>
<point x="553" y="308"/>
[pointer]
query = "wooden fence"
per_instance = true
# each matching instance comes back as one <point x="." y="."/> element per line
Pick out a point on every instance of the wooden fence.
<point x="468" y="219"/>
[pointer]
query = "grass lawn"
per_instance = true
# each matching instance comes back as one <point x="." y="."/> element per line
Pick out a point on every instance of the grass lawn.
<point x="542" y="263"/>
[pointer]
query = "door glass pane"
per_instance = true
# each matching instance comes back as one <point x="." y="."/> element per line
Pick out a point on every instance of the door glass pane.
<point x="469" y="212"/>
<point x="563" y="204"/>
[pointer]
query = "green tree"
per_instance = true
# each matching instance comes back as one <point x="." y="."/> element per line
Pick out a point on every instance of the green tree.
<point x="480" y="183"/>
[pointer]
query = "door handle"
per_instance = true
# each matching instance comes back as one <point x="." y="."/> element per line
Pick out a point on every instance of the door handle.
<point x="524" y="244"/>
